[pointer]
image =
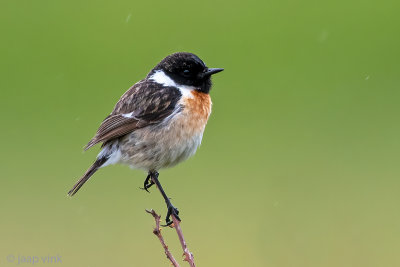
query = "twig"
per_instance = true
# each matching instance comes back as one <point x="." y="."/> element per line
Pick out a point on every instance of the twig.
<point x="176" y="224"/>
<point x="188" y="255"/>
<point x="157" y="232"/>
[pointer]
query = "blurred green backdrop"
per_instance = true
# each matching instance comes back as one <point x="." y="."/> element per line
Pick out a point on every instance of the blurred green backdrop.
<point x="299" y="164"/>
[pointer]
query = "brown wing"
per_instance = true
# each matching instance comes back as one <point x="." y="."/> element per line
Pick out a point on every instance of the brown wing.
<point x="145" y="103"/>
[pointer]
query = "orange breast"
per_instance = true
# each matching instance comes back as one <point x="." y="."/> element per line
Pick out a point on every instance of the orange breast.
<point x="197" y="110"/>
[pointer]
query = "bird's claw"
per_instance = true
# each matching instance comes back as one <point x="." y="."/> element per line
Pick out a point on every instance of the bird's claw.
<point x="147" y="184"/>
<point x="171" y="211"/>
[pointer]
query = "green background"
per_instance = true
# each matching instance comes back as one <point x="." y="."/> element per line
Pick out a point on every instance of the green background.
<point x="299" y="164"/>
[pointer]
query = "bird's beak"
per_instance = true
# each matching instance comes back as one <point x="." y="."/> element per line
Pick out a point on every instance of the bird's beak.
<point x="212" y="71"/>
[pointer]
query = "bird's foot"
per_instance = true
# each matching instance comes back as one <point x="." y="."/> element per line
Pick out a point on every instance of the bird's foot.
<point x="171" y="211"/>
<point x="147" y="183"/>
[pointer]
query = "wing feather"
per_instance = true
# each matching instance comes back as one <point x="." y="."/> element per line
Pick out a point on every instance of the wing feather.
<point x="144" y="104"/>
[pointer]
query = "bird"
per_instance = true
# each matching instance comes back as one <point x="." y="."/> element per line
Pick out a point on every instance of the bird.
<point x="157" y="123"/>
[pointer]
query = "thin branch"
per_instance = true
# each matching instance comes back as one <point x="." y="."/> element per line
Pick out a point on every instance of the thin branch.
<point x="157" y="232"/>
<point x="188" y="255"/>
<point x="176" y="224"/>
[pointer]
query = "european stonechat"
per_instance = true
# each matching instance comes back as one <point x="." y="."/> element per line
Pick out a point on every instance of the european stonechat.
<point x="158" y="123"/>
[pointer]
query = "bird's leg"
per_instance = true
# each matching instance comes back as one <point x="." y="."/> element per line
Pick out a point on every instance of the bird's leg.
<point x="171" y="209"/>
<point x="147" y="183"/>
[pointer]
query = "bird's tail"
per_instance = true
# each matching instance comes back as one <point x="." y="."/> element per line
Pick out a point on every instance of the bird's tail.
<point x="95" y="166"/>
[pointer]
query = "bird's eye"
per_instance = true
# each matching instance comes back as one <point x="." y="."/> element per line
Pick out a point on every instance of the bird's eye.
<point x="186" y="72"/>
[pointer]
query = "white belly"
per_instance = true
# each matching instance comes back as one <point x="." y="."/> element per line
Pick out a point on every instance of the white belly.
<point x="162" y="146"/>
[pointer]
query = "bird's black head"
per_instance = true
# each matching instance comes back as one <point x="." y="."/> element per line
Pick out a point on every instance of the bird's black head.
<point x="186" y="69"/>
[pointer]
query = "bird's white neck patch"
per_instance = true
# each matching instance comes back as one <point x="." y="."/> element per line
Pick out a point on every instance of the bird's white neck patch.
<point x="162" y="78"/>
